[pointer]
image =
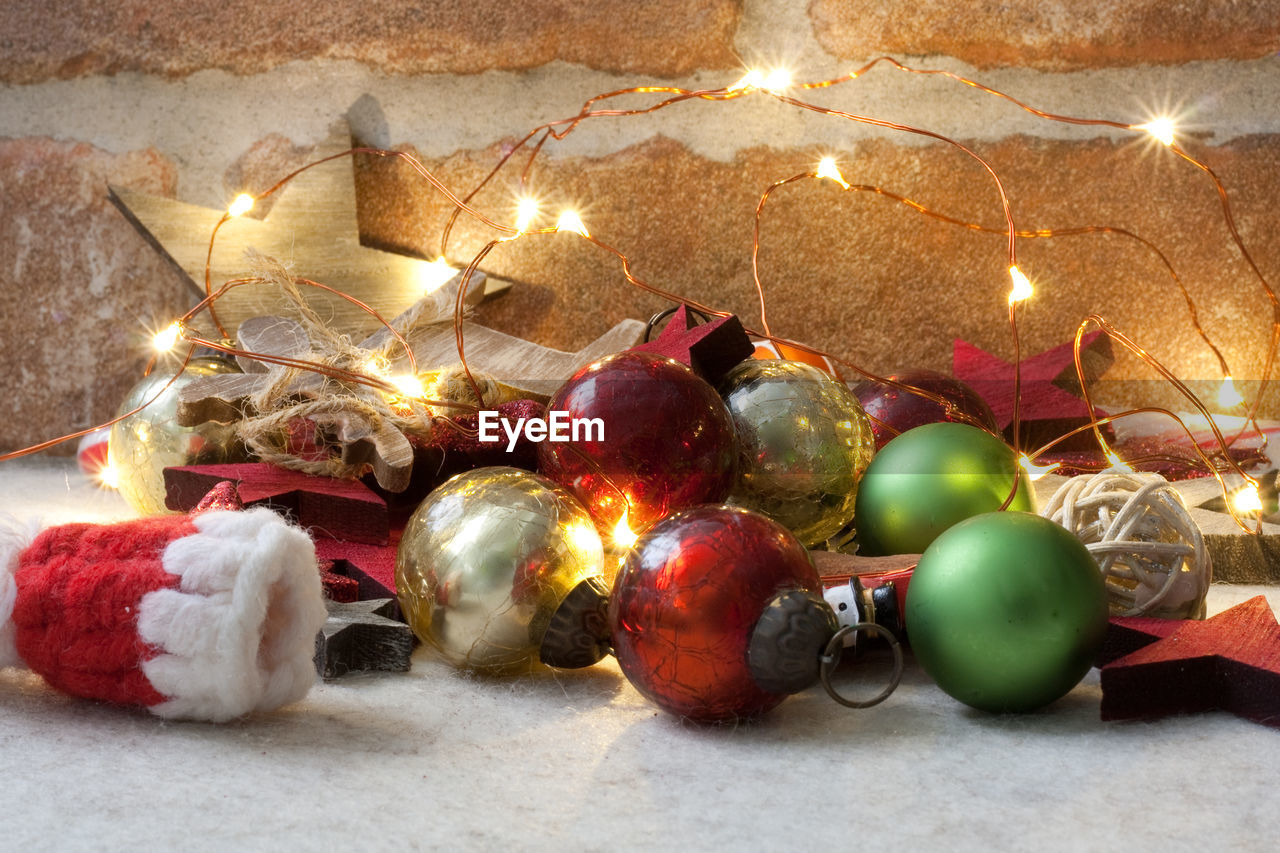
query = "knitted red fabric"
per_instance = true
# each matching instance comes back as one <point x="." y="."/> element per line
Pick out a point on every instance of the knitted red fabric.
<point x="79" y="587"/>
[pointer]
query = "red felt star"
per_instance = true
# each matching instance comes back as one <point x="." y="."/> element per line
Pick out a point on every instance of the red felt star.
<point x="711" y="349"/>
<point x="1230" y="663"/>
<point x="325" y="506"/>
<point x="1049" y="406"/>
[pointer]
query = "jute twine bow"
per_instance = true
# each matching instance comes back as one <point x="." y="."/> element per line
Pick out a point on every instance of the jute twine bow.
<point x="352" y="412"/>
<point x="1151" y="552"/>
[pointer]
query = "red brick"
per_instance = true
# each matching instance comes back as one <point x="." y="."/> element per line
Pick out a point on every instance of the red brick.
<point x="71" y="38"/>
<point x="867" y="278"/>
<point x="77" y="285"/>
<point x="1050" y="34"/>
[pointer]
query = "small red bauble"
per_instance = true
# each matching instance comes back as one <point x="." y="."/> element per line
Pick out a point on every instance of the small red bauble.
<point x="668" y="441"/>
<point x="91" y="453"/>
<point x="686" y="603"/>
<point x="903" y="410"/>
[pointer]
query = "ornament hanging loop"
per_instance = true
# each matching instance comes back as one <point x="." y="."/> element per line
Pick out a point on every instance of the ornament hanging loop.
<point x="831" y="657"/>
<point x="667" y="312"/>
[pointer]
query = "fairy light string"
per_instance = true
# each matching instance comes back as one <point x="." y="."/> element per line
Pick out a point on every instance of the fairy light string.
<point x="776" y="87"/>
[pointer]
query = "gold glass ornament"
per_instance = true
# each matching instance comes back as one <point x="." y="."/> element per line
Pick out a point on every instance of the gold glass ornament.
<point x="142" y="445"/>
<point x="487" y="560"/>
<point x="804" y="444"/>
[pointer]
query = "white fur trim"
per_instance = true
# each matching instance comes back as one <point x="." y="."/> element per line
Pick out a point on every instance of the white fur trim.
<point x="15" y="536"/>
<point x="238" y="634"/>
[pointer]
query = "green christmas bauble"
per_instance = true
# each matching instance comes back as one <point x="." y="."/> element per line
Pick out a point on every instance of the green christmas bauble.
<point x="929" y="478"/>
<point x="803" y="443"/>
<point x="1006" y="611"/>
<point x="143" y="444"/>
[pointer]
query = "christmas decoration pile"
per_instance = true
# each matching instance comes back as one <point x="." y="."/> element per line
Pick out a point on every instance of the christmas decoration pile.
<point x="665" y="521"/>
<point x="655" y="503"/>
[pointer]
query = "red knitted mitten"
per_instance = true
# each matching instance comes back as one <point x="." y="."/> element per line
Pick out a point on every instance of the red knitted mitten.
<point x="204" y="617"/>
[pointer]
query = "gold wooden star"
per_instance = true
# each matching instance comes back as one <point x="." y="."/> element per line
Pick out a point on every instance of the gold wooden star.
<point x="312" y="229"/>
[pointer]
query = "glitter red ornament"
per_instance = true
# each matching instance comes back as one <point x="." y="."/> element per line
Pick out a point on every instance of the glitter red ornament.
<point x="686" y="604"/>
<point x="668" y="442"/>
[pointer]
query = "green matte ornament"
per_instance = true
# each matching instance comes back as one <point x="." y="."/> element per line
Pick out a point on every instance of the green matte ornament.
<point x="928" y="479"/>
<point x="1006" y="611"/>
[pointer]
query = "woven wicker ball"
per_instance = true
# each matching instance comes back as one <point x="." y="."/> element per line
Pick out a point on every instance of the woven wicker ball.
<point x="1136" y="526"/>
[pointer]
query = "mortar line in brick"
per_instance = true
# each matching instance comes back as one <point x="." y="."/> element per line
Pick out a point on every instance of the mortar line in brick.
<point x="208" y="119"/>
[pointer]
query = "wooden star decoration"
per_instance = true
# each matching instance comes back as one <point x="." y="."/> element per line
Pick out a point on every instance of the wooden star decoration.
<point x="325" y="506"/>
<point x="1230" y="662"/>
<point x="1048" y="406"/>
<point x="359" y="637"/>
<point x="312" y="227"/>
<point x="529" y="370"/>
<point x="711" y="348"/>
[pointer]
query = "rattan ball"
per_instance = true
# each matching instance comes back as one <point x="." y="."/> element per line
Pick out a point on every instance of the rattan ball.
<point x="1151" y="552"/>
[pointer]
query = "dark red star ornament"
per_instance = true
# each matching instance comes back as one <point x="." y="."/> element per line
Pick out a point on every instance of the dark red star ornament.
<point x="1050" y="406"/>
<point x="325" y="506"/>
<point x="1230" y="662"/>
<point x="711" y="348"/>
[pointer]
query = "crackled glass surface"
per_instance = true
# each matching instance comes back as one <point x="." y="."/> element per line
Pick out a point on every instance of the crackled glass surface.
<point x="142" y="445"/>
<point x="485" y="561"/>
<point x="804" y="443"/>
<point x="686" y="601"/>
<point x="667" y="443"/>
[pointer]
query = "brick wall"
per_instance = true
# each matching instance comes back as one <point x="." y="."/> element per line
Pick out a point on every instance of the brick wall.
<point x="199" y="100"/>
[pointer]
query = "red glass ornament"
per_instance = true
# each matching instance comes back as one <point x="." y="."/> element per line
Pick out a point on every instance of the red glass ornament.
<point x="668" y="441"/>
<point x="903" y="410"/>
<point x="686" y="601"/>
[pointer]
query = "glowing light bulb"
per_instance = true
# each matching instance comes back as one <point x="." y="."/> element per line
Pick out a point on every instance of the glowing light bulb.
<point x="570" y="221"/>
<point x="1115" y="463"/>
<point x="108" y="476"/>
<point x="1160" y="128"/>
<point x="1247" y="500"/>
<point x="1022" y="288"/>
<point x="583" y="538"/>
<point x="526" y="212"/>
<point x="827" y="168"/>
<point x="408" y="385"/>
<point x="623" y="535"/>
<point x="165" y="339"/>
<point x="240" y="205"/>
<point x="432" y="275"/>
<point x="776" y="81"/>
<point x="1228" y="396"/>
<point x="1034" y="471"/>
